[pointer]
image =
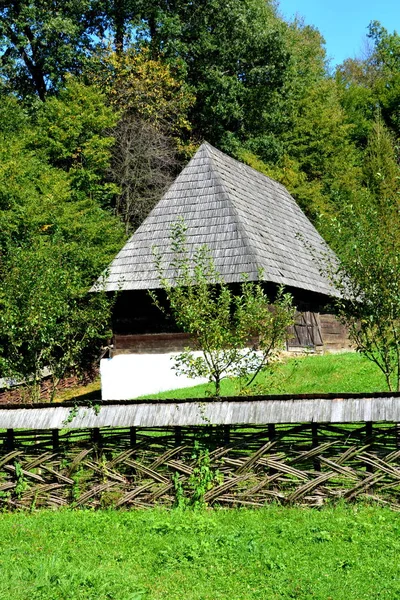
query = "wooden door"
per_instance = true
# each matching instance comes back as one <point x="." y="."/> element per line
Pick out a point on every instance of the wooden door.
<point x="306" y="332"/>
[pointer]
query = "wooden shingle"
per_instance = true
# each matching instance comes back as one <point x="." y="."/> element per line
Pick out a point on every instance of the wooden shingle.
<point x="248" y="221"/>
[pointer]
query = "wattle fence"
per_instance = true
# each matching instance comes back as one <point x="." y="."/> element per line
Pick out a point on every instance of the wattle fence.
<point x="232" y="452"/>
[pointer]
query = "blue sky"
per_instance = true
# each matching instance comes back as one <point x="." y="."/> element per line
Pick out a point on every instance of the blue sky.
<point x="343" y="23"/>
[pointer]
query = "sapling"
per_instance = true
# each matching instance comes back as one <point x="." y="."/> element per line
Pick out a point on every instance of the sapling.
<point x="234" y="334"/>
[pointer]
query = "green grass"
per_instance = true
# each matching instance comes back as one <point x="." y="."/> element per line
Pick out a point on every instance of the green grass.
<point x="347" y="372"/>
<point x="342" y="553"/>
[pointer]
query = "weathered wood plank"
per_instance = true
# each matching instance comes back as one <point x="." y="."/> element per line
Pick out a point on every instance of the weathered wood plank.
<point x="228" y="411"/>
<point x="151" y="343"/>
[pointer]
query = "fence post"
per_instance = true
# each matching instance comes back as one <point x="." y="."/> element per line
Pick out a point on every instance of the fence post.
<point x="271" y="432"/>
<point x="96" y="436"/>
<point x="55" y="436"/>
<point x="10" y="443"/>
<point x="132" y="436"/>
<point x="314" y="434"/>
<point x="272" y="437"/>
<point x="178" y="436"/>
<point x="397" y="434"/>
<point x="227" y="434"/>
<point x="368" y="440"/>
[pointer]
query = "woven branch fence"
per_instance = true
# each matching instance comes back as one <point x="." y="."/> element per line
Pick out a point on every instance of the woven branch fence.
<point x="234" y="466"/>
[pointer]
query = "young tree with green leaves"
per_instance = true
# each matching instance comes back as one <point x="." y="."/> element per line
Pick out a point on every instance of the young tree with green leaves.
<point x="47" y="318"/>
<point x="369" y="247"/>
<point x="238" y="335"/>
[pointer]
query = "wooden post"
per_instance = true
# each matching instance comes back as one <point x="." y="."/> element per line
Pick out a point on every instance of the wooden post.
<point x="55" y="436"/>
<point x="178" y="436"/>
<point x="397" y="434"/>
<point x="271" y="437"/>
<point x="226" y="434"/>
<point x="271" y="432"/>
<point x="10" y="443"/>
<point x="369" y="440"/>
<point x="96" y="436"/>
<point x="314" y="434"/>
<point x="132" y="436"/>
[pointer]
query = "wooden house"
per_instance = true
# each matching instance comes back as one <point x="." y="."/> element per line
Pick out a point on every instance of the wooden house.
<point x="249" y="222"/>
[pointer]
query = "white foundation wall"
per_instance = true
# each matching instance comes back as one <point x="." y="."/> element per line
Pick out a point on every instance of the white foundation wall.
<point x="127" y="376"/>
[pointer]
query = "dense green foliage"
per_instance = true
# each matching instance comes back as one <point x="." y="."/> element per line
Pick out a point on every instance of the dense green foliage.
<point x="47" y="318"/>
<point x="56" y="236"/>
<point x="235" y="58"/>
<point x="345" y="553"/>
<point x="336" y="373"/>
<point x="42" y="40"/>
<point x="368" y="275"/>
<point x="100" y="103"/>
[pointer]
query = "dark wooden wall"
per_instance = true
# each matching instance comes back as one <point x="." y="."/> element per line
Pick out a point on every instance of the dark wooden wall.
<point x="312" y="331"/>
<point x="151" y="343"/>
<point x="140" y="327"/>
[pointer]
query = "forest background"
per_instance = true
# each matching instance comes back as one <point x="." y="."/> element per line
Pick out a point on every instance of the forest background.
<point x="103" y="101"/>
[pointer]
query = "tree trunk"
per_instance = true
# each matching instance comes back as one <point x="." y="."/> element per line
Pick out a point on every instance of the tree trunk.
<point x="119" y="25"/>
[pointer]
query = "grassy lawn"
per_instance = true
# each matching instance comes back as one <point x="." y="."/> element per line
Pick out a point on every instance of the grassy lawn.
<point x="349" y="552"/>
<point x="347" y="372"/>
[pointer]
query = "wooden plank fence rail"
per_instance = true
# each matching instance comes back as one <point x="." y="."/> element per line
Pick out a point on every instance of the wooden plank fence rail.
<point x="258" y="410"/>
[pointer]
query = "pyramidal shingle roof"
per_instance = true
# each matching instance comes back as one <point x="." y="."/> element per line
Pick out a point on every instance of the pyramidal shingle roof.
<point x="247" y="220"/>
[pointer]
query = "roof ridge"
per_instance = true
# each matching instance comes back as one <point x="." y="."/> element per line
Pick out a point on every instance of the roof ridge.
<point x="253" y="250"/>
<point x="241" y="227"/>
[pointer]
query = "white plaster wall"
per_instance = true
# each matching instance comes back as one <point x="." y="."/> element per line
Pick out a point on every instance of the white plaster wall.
<point x="127" y="376"/>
